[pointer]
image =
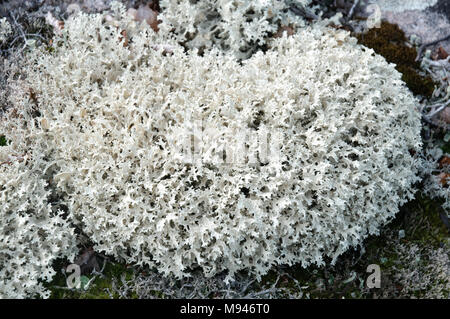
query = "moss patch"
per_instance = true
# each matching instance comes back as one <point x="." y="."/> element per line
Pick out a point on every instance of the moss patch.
<point x="102" y="287"/>
<point x="390" y="42"/>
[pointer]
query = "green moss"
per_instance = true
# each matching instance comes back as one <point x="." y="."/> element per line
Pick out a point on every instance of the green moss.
<point x="422" y="223"/>
<point x="2" y="140"/>
<point x="446" y="147"/>
<point x="389" y="41"/>
<point x="100" y="288"/>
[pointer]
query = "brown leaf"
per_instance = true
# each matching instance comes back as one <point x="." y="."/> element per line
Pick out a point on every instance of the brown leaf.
<point x="289" y="30"/>
<point x="145" y="13"/>
<point x="154" y="5"/>
<point x="444" y="161"/>
<point x="445" y="179"/>
<point x="442" y="54"/>
<point x="439" y="54"/>
<point x="124" y="36"/>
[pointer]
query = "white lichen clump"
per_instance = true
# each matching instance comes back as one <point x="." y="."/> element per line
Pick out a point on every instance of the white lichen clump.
<point x="117" y="102"/>
<point x="32" y="233"/>
<point x="5" y="29"/>
<point x="236" y="26"/>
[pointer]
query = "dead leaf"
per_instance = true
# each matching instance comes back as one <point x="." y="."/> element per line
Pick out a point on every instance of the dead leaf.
<point x="145" y="13"/>
<point x="289" y="30"/>
<point x="57" y="25"/>
<point x="442" y="54"/>
<point x="154" y="5"/>
<point x="33" y="97"/>
<point x="444" y="179"/>
<point x="124" y="36"/>
<point x="444" y="161"/>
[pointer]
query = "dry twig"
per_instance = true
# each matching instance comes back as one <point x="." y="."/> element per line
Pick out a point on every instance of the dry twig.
<point x="423" y="46"/>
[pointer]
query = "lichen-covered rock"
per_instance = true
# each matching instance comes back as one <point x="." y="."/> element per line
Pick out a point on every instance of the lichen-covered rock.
<point x="176" y="160"/>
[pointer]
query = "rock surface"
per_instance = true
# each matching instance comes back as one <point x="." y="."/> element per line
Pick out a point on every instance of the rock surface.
<point x="428" y="19"/>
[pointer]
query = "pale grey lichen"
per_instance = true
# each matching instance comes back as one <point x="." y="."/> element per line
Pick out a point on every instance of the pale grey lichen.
<point x="112" y="116"/>
<point x="236" y="26"/>
<point x="32" y="233"/>
<point x="424" y="273"/>
<point x="5" y="29"/>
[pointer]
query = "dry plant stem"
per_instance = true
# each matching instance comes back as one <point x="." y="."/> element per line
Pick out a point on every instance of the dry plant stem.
<point x="438" y="109"/>
<point x="435" y="124"/>
<point x="441" y="63"/>
<point x="423" y="46"/>
<point x="22" y="35"/>
<point x="352" y="9"/>
<point x="19" y="27"/>
<point x="303" y="12"/>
